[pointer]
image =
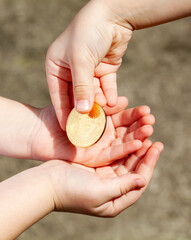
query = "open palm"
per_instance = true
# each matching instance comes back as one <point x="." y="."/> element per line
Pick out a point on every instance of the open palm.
<point x="104" y="191"/>
<point x="124" y="132"/>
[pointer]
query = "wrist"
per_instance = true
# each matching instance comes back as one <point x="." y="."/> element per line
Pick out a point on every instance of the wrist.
<point x="17" y="121"/>
<point x="118" y="12"/>
<point x="45" y="136"/>
<point x="29" y="126"/>
<point x="53" y="169"/>
<point x="44" y="171"/>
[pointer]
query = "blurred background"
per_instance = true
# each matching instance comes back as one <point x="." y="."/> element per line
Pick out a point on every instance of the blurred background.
<point x="155" y="71"/>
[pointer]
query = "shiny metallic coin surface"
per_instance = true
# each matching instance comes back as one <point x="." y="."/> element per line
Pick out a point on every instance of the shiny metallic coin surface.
<point x="83" y="130"/>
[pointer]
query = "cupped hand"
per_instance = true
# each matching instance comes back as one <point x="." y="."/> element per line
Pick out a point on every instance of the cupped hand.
<point x="104" y="191"/>
<point x="125" y="131"/>
<point x="90" y="48"/>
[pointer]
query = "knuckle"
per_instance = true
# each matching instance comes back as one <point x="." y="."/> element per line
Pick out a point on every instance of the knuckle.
<point x="78" y="59"/>
<point x="81" y="89"/>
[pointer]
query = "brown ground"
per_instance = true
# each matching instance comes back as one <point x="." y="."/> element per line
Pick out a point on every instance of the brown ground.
<point x="155" y="71"/>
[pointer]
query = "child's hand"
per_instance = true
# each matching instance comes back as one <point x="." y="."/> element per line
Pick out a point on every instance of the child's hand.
<point x="125" y="131"/>
<point x="104" y="191"/>
<point x="70" y="187"/>
<point x="27" y="132"/>
<point x="90" y="48"/>
<point x="93" y="46"/>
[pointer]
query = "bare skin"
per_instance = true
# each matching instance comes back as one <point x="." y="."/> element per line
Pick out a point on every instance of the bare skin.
<point x="36" y="134"/>
<point x="104" y="191"/>
<point x="100" y="191"/>
<point x="92" y="47"/>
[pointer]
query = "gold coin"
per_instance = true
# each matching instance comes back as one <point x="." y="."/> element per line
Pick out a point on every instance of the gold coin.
<point x="83" y="130"/>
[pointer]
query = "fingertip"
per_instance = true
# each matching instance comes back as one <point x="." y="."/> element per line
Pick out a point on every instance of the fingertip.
<point x="138" y="143"/>
<point x="149" y="119"/>
<point x="123" y="100"/>
<point x="139" y="183"/>
<point x="139" y="180"/>
<point x="152" y="119"/>
<point x="122" y="103"/>
<point x="83" y="106"/>
<point x="155" y="150"/>
<point x="148" y="130"/>
<point x="162" y="146"/>
<point x="131" y="181"/>
<point x="159" y="146"/>
<point x="145" y="109"/>
<point x="147" y="143"/>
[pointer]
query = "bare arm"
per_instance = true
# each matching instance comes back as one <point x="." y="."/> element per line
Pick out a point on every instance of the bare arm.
<point x="93" y="44"/>
<point x="147" y="13"/>
<point x="105" y="192"/>
<point x="24" y="199"/>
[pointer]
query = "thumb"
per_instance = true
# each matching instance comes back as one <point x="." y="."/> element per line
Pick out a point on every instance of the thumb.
<point x="121" y="185"/>
<point x="83" y="90"/>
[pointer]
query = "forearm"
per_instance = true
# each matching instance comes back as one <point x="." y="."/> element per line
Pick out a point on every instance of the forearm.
<point x="24" y="199"/>
<point x="16" y="127"/>
<point x="147" y="13"/>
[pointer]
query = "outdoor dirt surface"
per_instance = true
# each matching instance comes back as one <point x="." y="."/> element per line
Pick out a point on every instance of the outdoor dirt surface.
<point x="156" y="71"/>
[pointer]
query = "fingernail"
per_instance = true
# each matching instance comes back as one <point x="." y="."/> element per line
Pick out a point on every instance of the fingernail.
<point x="82" y="106"/>
<point x="139" y="183"/>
